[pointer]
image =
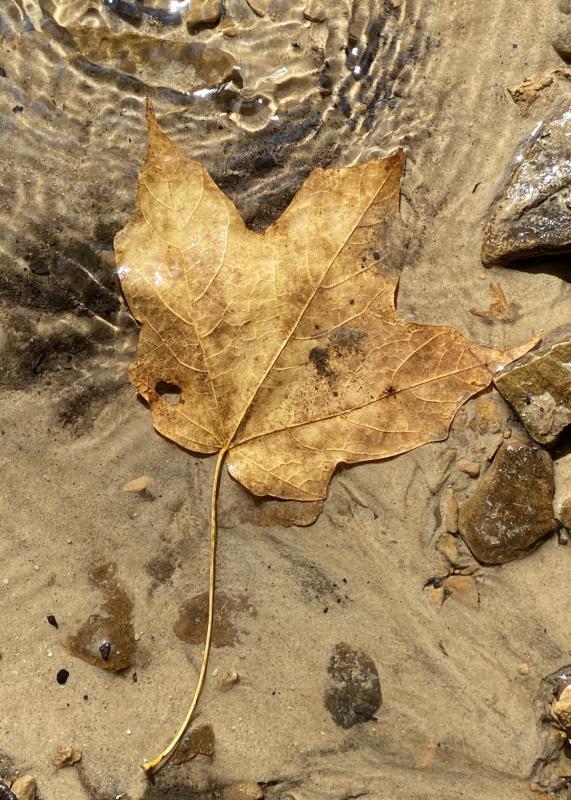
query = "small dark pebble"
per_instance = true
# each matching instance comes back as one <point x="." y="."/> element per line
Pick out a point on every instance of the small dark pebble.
<point x="17" y="109"/>
<point x="105" y="650"/>
<point x="5" y="793"/>
<point x="265" y="163"/>
<point x="62" y="677"/>
<point x="2" y="72"/>
<point x="325" y="610"/>
<point x="53" y="621"/>
<point x="135" y="678"/>
<point x="86" y="697"/>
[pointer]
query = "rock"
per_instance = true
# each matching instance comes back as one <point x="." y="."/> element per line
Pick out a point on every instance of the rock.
<point x="464" y="589"/>
<point x="242" y="791"/>
<point x="469" y="467"/>
<point x="315" y="11"/>
<point x="449" y="511"/>
<point x="562" y="38"/>
<point x="530" y="216"/>
<point x="229" y="681"/>
<point x="511" y="509"/>
<point x="197" y="742"/>
<point x="353" y="693"/>
<point x="561" y="708"/>
<point x="66" y="757"/>
<point x="435" y="594"/>
<point x="538" y="386"/>
<point x="137" y="484"/>
<point x="259" y="7"/>
<point x="487" y="417"/>
<point x="562" y="498"/>
<point x="25" y="788"/>
<point x="448" y="546"/>
<point x="203" y="14"/>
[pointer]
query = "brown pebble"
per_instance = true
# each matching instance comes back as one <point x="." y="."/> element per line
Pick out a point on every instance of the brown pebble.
<point x="561" y="708"/>
<point x="229" y="681"/>
<point x="464" y="589"/>
<point x="523" y="669"/>
<point x="469" y="467"/>
<point x="66" y="757"/>
<point x="242" y="791"/>
<point x="448" y="547"/>
<point x="25" y="787"/>
<point x="435" y="596"/>
<point x="137" y="484"/>
<point x="518" y="488"/>
<point x="449" y="511"/>
<point x="488" y="417"/>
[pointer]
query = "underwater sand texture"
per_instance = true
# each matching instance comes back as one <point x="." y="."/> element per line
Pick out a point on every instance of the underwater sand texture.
<point x="457" y="716"/>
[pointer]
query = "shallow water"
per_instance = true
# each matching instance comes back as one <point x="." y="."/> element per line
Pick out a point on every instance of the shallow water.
<point x="262" y="95"/>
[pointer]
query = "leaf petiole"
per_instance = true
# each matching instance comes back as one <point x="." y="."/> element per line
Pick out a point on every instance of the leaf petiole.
<point x="155" y="764"/>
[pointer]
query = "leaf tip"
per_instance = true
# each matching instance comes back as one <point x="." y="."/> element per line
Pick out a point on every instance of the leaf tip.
<point x="150" y="116"/>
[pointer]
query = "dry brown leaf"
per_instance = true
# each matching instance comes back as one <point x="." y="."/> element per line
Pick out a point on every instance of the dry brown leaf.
<point x="499" y="308"/>
<point x="285" y="346"/>
<point x="200" y="742"/>
<point x="538" y="93"/>
<point x="283" y="351"/>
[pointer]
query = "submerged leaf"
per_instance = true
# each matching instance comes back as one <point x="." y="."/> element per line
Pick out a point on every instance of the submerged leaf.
<point x="285" y="347"/>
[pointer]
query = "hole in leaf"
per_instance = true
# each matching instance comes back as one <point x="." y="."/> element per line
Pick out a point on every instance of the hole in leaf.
<point x="169" y="392"/>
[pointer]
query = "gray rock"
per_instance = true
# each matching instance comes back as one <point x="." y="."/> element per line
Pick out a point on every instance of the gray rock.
<point x="353" y="692"/>
<point x="538" y="386"/>
<point x="562" y="39"/>
<point x="512" y="508"/>
<point x="532" y="214"/>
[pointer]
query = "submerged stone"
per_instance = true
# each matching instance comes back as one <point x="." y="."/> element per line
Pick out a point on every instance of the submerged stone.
<point x="512" y="508"/>
<point x="538" y="386"/>
<point x="203" y="14"/>
<point x="353" y="692"/>
<point x="532" y="214"/>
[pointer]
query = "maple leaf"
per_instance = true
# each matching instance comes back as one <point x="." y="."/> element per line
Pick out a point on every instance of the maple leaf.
<point x="283" y="350"/>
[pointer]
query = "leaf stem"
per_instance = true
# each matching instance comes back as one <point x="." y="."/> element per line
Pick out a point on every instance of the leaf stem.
<point x="155" y="764"/>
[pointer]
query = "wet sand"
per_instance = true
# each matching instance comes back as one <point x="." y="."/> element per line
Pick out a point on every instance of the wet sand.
<point x="458" y="685"/>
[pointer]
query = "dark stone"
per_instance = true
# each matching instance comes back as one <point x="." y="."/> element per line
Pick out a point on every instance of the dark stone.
<point x="18" y="109"/>
<point x="105" y="650"/>
<point x="512" y="508"/>
<point x="532" y="214"/>
<point x="52" y="620"/>
<point x="353" y="692"/>
<point x="2" y="72"/>
<point x="538" y="386"/>
<point x="62" y="677"/>
<point x="265" y="162"/>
